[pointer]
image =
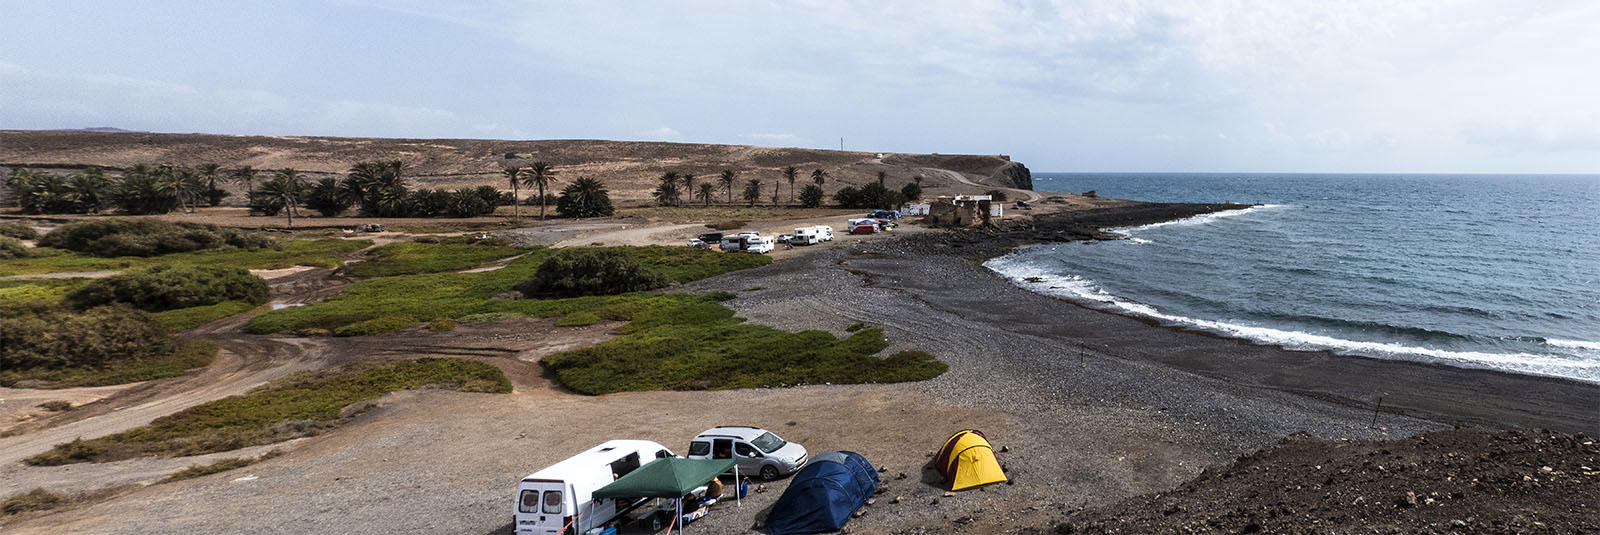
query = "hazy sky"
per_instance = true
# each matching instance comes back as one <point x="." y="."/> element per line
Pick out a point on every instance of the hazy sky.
<point x="1359" y="86"/>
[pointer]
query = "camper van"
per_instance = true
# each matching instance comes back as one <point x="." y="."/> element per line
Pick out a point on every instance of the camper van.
<point x="747" y="243"/>
<point x="812" y="235"/>
<point x="557" y="500"/>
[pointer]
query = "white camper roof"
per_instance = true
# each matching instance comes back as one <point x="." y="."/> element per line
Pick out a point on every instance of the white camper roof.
<point x="606" y="452"/>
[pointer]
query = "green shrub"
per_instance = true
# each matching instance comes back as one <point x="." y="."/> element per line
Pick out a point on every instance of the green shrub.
<point x="998" y="196"/>
<point x="490" y="316"/>
<point x="148" y="237"/>
<point x="442" y="325"/>
<point x="36" y="335"/>
<point x="18" y="230"/>
<point x="295" y="406"/>
<point x="33" y="500"/>
<point x="37" y="290"/>
<point x="313" y="331"/>
<point x="855" y="327"/>
<point x="167" y="288"/>
<point x="580" y="273"/>
<point x="375" y="326"/>
<point x="319" y="253"/>
<point x="12" y="248"/>
<point x="184" y="319"/>
<point x="190" y="354"/>
<point x="578" y="319"/>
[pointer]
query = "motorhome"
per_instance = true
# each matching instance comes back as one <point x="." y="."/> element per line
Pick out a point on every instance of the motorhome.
<point x="747" y="243"/>
<point x="806" y="236"/>
<point x="558" y="499"/>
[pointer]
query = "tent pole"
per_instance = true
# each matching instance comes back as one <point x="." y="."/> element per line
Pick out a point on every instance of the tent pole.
<point x="738" y="497"/>
<point x="680" y="516"/>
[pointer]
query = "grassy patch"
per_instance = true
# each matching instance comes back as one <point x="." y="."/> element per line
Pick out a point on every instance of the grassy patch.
<point x="37" y="290"/>
<point x="184" y="319"/>
<point x="683" y="342"/>
<point x="59" y="405"/>
<point x="467" y="296"/>
<point x="318" y="253"/>
<point x="405" y="258"/>
<point x="33" y="500"/>
<point x="578" y="319"/>
<point x="191" y="354"/>
<point x="376" y="326"/>
<point x="298" y="405"/>
<point x="691" y="214"/>
<point x="201" y="470"/>
<point x="442" y="325"/>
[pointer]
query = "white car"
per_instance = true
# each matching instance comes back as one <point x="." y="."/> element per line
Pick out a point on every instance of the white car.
<point x="753" y="449"/>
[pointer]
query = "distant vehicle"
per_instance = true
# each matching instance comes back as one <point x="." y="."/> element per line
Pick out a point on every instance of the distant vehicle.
<point x="888" y="224"/>
<point x="884" y="214"/>
<point x="806" y="236"/>
<point x="851" y="223"/>
<point x="370" y="227"/>
<point x="1025" y="205"/>
<point x="747" y="243"/>
<point x="711" y="237"/>
<point x="698" y="243"/>
<point x="786" y="238"/>
<point x="755" y="450"/>
<point x="561" y="494"/>
<point x="864" y="228"/>
<point x="826" y="232"/>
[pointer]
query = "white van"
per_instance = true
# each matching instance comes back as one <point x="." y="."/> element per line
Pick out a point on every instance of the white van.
<point x="805" y="236"/>
<point x="824" y="232"/>
<point x="557" y="499"/>
<point x="747" y="243"/>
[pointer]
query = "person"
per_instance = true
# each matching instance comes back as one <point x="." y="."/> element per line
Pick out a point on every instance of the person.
<point x="714" y="489"/>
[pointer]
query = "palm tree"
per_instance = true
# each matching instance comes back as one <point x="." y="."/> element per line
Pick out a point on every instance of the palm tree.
<point x="776" y="187"/>
<point x="209" y="171"/>
<point x="882" y="175"/>
<point x="89" y="189"/>
<point x="707" y="189"/>
<point x="752" y="191"/>
<point x="726" y="179"/>
<point x="688" y="183"/>
<point x="514" y="176"/>
<point x="917" y="179"/>
<point x="819" y="176"/>
<point x="540" y="175"/>
<point x="285" y="186"/>
<point x="584" y="197"/>
<point x="667" y="194"/>
<point x="789" y="174"/>
<point x="245" y="175"/>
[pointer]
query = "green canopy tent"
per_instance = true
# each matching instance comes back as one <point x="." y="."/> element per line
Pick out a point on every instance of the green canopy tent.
<point x="670" y="477"/>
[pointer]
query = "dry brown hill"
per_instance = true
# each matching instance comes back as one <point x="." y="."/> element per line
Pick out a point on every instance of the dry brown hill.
<point x="629" y="168"/>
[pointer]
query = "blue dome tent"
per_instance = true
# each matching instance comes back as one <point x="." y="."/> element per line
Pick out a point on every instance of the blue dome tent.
<point x="822" y="495"/>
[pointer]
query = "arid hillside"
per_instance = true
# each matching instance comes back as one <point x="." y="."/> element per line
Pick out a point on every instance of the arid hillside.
<point x="629" y="168"/>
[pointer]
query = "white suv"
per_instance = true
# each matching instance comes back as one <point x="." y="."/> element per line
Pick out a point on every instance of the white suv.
<point x="756" y="450"/>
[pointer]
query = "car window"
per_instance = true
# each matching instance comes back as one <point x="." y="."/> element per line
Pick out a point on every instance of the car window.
<point x="552" y="502"/>
<point x="529" y="502"/>
<point x="744" y="450"/>
<point x="722" y="448"/>
<point x="699" y="448"/>
<point x="768" y="442"/>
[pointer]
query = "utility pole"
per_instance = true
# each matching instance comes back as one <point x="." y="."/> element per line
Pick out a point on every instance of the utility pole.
<point x="841" y="143"/>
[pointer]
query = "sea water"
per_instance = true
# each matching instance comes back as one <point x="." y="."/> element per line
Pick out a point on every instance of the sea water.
<point x="1481" y="271"/>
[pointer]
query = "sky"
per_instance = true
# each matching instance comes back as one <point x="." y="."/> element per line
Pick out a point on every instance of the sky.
<point x="1177" y="86"/>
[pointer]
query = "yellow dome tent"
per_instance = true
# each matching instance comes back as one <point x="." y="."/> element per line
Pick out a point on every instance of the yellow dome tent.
<point x="967" y="461"/>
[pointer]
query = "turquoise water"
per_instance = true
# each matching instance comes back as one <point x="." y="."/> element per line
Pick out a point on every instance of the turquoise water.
<point x="1483" y="271"/>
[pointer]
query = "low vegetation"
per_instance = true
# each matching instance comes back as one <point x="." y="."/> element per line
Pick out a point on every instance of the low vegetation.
<point x="163" y="288"/>
<point x="184" y="319"/>
<point x="471" y="296"/>
<point x="12" y="248"/>
<point x="576" y="273"/>
<point x="59" y="405"/>
<point x="17" y="291"/>
<point x="318" y="253"/>
<point x="378" y="325"/>
<point x="578" y="319"/>
<point x="202" y="470"/>
<point x="148" y="237"/>
<point x="18" y="230"/>
<point x="33" y="500"/>
<point x="405" y="258"/>
<point x="300" y="405"/>
<point x="683" y="342"/>
<point x="188" y="355"/>
<point x="442" y="325"/>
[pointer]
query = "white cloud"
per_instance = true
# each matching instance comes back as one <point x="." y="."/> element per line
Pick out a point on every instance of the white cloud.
<point x="662" y="134"/>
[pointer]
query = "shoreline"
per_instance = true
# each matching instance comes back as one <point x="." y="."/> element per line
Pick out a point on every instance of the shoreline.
<point x="1435" y="391"/>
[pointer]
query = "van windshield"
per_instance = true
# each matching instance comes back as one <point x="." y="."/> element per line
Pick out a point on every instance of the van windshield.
<point x="768" y="442"/>
<point x="699" y="448"/>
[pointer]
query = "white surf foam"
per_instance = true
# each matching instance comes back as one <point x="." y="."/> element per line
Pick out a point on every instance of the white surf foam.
<point x="1573" y="344"/>
<point x="1199" y="219"/>
<point x="1080" y="289"/>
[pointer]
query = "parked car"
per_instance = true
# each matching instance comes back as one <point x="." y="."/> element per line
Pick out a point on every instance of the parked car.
<point x="711" y="237"/>
<point x="370" y="227"/>
<point x="864" y="228"/>
<point x="747" y="242"/>
<point x="884" y="214"/>
<point x="888" y="224"/>
<point x="698" y="243"/>
<point x="753" y="449"/>
<point x="786" y="238"/>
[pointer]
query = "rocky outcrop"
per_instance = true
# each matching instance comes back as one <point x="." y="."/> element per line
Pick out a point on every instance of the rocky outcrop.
<point x="1015" y="173"/>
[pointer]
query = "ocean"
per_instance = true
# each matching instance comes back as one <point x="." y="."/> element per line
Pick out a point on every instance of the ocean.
<point x="1480" y="271"/>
